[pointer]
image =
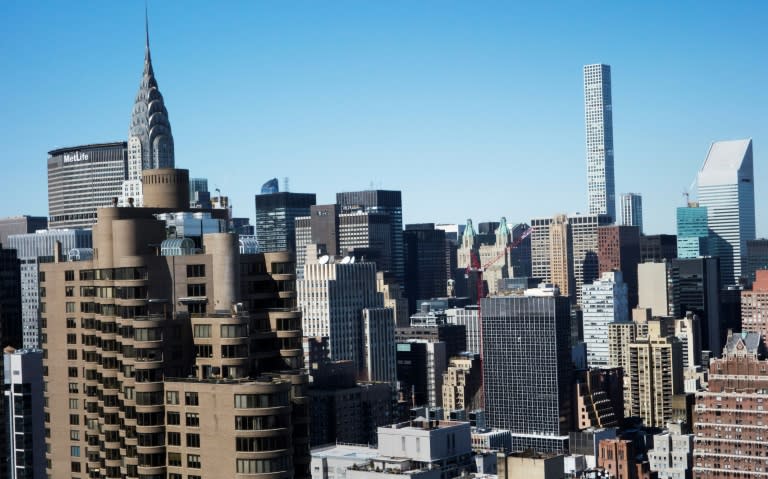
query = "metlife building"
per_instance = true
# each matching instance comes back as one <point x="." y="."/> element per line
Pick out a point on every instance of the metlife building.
<point x="82" y="179"/>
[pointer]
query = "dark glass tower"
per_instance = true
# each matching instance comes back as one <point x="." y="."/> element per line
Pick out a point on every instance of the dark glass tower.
<point x="275" y="219"/>
<point x="527" y="369"/>
<point x="425" y="273"/>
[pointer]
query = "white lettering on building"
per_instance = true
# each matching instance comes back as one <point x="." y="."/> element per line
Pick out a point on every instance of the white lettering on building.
<point x="75" y="157"/>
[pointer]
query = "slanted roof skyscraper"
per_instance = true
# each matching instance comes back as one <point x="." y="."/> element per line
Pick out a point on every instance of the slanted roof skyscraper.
<point x="150" y="142"/>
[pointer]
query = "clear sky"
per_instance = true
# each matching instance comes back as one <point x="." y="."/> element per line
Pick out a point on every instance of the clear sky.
<point x="472" y="109"/>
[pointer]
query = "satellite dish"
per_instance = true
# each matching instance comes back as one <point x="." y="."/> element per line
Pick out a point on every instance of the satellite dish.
<point x="324" y="259"/>
<point x="345" y="260"/>
<point x="352" y="260"/>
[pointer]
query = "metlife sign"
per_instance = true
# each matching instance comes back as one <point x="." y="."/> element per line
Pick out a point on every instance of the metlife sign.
<point x="75" y="157"/>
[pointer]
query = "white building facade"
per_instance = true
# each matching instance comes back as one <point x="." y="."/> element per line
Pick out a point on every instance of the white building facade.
<point x="603" y="302"/>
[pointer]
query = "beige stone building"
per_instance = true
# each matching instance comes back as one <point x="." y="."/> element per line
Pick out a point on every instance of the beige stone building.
<point x="462" y="383"/>
<point x="172" y="357"/>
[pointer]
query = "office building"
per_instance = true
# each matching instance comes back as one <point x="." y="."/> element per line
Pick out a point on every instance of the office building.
<point x="726" y="187"/>
<point x="452" y="234"/>
<point x="692" y="231"/>
<point x="276" y="215"/>
<point x="10" y="298"/>
<point x="598" y="117"/>
<point x="521" y="254"/>
<point x="271" y="186"/>
<point x="632" y="210"/>
<point x="538" y="325"/>
<point x="462" y="383"/>
<point x="603" y="302"/>
<point x="672" y="453"/>
<point x="453" y="335"/>
<point x="564" y="251"/>
<point x="150" y="141"/>
<point x="417" y="449"/>
<point x="754" y="307"/>
<point x="496" y="257"/>
<point x="469" y="317"/>
<point x="155" y="350"/>
<point x="757" y="257"/>
<point x="82" y="179"/>
<point x="697" y="290"/>
<point x="729" y="416"/>
<point x="15" y="225"/>
<point x="425" y="272"/>
<point x="339" y="300"/>
<point x="199" y="196"/>
<point x="657" y="289"/>
<point x="23" y="402"/>
<point x="658" y="248"/>
<point x="619" y="458"/>
<point x="421" y="364"/>
<point x="393" y="297"/>
<point x="619" y="250"/>
<point x="388" y="203"/>
<point x="33" y="249"/>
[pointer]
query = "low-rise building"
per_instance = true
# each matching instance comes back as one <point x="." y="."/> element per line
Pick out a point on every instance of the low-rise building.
<point x="672" y="453"/>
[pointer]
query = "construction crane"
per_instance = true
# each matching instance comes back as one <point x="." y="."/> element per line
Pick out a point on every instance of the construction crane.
<point x="477" y="269"/>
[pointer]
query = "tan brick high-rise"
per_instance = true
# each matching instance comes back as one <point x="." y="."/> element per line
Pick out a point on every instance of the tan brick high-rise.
<point x="172" y="358"/>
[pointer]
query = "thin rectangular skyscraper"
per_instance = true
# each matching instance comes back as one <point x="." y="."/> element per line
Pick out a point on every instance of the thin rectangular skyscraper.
<point x="598" y="119"/>
<point x="632" y="210"/>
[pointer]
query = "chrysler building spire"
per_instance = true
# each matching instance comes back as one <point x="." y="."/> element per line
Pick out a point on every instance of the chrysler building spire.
<point x="150" y="142"/>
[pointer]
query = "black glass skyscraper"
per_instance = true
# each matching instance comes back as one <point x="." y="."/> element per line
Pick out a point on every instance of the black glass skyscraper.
<point x="275" y="219"/>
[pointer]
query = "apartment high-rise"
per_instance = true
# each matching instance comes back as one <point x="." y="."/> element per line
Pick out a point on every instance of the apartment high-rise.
<point x="462" y="383"/>
<point x="692" y="231"/>
<point x="534" y="403"/>
<point x="82" y="179"/>
<point x="726" y="187"/>
<point x="603" y="302"/>
<point x="754" y="307"/>
<point x="729" y="418"/>
<point x="150" y="142"/>
<point x="598" y="117"/>
<point x="276" y="215"/>
<point x="632" y="210"/>
<point x="156" y="349"/>
<point x="32" y="249"/>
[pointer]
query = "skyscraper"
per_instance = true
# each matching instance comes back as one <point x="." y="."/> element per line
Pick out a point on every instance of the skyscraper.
<point x="389" y="203"/>
<point x="692" y="231"/>
<point x="10" y="298"/>
<point x="632" y="210"/>
<point x="726" y="187"/>
<point x="619" y="250"/>
<point x="16" y="225"/>
<point x="598" y="116"/>
<point x="150" y="142"/>
<point x="33" y="249"/>
<point x="82" y="179"/>
<point x="534" y="403"/>
<point x="276" y="215"/>
<point x="603" y="302"/>
<point x="425" y="276"/>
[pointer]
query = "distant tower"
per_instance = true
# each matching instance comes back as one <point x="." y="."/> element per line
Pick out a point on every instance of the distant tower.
<point x="150" y="142"/>
<point x="598" y="117"/>
<point x="632" y="210"/>
<point x="726" y="185"/>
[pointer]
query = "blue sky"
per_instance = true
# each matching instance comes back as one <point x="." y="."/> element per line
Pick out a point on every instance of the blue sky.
<point x="472" y="109"/>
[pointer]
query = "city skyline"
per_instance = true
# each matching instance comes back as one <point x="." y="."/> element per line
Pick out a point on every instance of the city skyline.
<point x="382" y="92"/>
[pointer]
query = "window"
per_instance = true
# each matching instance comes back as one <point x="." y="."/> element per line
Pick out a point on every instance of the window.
<point x="70" y="307"/>
<point x="74" y="404"/>
<point x="195" y="270"/>
<point x="73" y="388"/>
<point x="174" y="459"/>
<point x="71" y="323"/>
<point x="204" y="351"/>
<point x="174" y="439"/>
<point x="74" y="451"/>
<point x="202" y="330"/>
<point x="234" y="331"/>
<point x="193" y="419"/>
<point x="196" y="290"/>
<point x="171" y="397"/>
<point x="174" y="418"/>
<point x="74" y="419"/>
<point x="193" y="461"/>
<point x="75" y="467"/>
<point x="193" y="440"/>
<point x="72" y="372"/>
<point x="74" y="435"/>
<point x="191" y="399"/>
<point x="69" y="275"/>
<point x="71" y="338"/>
<point x="71" y="354"/>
